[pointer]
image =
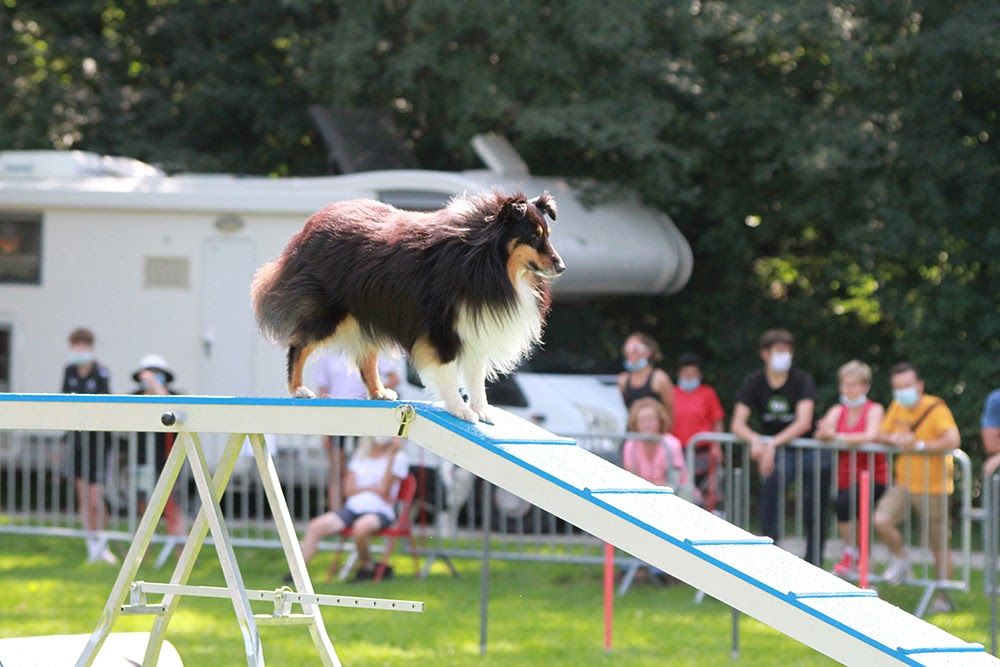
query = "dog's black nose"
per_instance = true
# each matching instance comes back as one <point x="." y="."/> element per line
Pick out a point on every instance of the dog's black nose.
<point x="559" y="267"/>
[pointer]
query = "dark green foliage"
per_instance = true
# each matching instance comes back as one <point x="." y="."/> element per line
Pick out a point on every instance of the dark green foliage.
<point x="834" y="165"/>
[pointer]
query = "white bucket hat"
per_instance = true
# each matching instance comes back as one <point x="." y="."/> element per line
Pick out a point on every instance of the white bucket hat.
<point x="154" y="362"/>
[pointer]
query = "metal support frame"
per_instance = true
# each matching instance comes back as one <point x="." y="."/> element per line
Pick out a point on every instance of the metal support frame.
<point x="210" y="519"/>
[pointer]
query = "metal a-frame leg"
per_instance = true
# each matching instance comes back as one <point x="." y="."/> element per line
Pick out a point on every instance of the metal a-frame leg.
<point x="130" y="565"/>
<point x="290" y="544"/>
<point x="224" y="548"/>
<point x="189" y="555"/>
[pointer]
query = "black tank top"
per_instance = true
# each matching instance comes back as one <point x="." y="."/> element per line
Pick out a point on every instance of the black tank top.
<point x="632" y="394"/>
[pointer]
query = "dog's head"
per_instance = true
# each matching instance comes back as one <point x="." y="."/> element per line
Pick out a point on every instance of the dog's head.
<point x="526" y="234"/>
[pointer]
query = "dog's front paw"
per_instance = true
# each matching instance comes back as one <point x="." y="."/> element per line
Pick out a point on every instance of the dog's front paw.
<point x="485" y="414"/>
<point x="304" y="392"/>
<point x="386" y="395"/>
<point x="463" y="412"/>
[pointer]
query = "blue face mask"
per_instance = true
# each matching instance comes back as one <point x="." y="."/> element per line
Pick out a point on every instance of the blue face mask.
<point x="853" y="403"/>
<point x="80" y="357"/>
<point x="632" y="367"/>
<point x="160" y="377"/>
<point x="689" y="384"/>
<point x="907" y="397"/>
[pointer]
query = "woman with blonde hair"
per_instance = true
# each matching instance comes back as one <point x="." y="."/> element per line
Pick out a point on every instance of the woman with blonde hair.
<point x="658" y="457"/>
<point x="854" y="420"/>
<point x="374" y="475"/>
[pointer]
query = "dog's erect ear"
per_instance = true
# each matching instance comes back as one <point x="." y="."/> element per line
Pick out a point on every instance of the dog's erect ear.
<point x="546" y="204"/>
<point x="515" y="210"/>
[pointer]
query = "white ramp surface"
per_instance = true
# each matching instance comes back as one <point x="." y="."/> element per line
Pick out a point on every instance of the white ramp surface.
<point x="745" y="571"/>
<point x="748" y="572"/>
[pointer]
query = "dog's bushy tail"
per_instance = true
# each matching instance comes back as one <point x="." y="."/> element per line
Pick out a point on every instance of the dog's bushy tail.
<point x="267" y="303"/>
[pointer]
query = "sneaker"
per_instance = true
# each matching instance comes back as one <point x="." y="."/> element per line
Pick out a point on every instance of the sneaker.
<point x="108" y="557"/>
<point x="847" y="566"/>
<point x="364" y="573"/>
<point x="288" y="580"/>
<point x="941" y="605"/>
<point x="388" y="572"/>
<point x="897" y="572"/>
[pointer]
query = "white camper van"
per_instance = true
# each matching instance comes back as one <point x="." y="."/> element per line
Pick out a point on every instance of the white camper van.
<point x="162" y="263"/>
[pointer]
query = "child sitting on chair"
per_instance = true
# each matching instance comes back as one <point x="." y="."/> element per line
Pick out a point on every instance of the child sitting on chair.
<point x="658" y="459"/>
<point x="374" y="474"/>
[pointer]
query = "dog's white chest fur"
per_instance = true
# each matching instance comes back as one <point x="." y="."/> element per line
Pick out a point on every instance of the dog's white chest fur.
<point x="500" y="339"/>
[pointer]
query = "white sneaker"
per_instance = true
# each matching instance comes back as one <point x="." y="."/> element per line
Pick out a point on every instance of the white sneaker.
<point x="897" y="571"/>
<point x="93" y="549"/>
<point x="108" y="557"/>
<point x="941" y="605"/>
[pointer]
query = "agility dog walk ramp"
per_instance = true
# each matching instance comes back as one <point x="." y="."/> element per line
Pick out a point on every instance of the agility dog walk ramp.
<point x="744" y="571"/>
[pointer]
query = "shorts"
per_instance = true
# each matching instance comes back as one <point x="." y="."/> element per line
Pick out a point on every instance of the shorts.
<point x="90" y="451"/>
<point x="350" y="516"/>
<point x="337" y="442"/>
<point x="843" y="502"/>
<point x="897" y="500"/>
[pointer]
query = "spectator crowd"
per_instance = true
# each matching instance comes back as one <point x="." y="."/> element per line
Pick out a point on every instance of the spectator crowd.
<point x="776" y="405"/>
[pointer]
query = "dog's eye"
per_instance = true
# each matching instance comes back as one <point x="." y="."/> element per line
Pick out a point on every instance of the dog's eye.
<point x="539" y="232"/>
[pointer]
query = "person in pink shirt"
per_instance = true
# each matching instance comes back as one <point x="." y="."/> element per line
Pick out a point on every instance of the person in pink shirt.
<point x="658" y="459"/>
<point x="697" y="409"/>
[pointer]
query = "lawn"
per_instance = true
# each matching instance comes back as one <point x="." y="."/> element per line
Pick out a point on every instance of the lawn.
<point x="540" y="614"/>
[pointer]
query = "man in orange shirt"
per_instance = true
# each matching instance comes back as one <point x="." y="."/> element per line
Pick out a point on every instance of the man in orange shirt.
<point x="915" y="423"/>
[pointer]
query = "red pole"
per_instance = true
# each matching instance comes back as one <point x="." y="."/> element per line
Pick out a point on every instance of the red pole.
<point x="609" y="593"/>
<point x="864" y="500"/>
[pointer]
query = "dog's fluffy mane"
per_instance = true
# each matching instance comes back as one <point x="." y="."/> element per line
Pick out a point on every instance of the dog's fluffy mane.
<point x="402" y="273"/>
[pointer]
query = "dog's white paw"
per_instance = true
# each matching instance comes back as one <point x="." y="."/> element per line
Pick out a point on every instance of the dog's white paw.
<point x="463" y="412"/>
<point x="304" y="392"/>
<point x="485" y="413"/>
<point x="387" y="395"/>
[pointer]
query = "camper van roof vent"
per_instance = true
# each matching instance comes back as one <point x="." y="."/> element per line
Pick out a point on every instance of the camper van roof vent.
<point x="70" y="165"/>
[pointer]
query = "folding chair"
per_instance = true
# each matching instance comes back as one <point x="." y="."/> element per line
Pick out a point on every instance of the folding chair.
<point x="401" y="528"/>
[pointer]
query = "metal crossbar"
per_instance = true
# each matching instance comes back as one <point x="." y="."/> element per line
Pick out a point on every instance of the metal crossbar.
<point x="281" y="595"/>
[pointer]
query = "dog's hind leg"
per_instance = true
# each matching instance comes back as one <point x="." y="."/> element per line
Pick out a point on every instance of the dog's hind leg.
<point x="368" y="365"/>
<point x="441" y="379"/>
<point x="297" y="357"/>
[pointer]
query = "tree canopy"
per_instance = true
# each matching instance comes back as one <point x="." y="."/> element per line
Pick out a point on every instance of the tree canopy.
<point x="833" y="164"/>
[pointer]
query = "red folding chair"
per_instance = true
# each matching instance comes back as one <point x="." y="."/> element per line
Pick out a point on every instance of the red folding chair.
<point x="401" y="528"/>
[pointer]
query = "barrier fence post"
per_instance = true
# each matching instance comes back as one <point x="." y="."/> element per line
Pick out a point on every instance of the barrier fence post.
<point x="609" y="593"/>
<point x="484" y="572"/>
<point x="737" y="503"/>
<point x="863" y="528"/>
<point x="992" y="514"/>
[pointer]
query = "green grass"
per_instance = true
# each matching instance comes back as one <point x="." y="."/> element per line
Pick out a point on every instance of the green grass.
<point x="540" y="614"/>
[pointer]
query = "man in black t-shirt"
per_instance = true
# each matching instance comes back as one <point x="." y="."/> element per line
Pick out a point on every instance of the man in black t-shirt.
<point x="782" y="400"/>
<point x="84" y="375"/>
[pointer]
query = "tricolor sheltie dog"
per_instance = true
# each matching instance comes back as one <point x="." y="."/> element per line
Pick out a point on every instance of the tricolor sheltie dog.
<point x="463" y="290"/>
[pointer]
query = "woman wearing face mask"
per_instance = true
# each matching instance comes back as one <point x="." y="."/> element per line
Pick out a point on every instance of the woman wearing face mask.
<point x="697" y="409"/>
<point x="642" y="378"/>
<point x="855" y="420"/>
<point x="155" y="379"/>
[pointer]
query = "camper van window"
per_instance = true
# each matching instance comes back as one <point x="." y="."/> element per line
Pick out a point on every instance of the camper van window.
<point x="4" y="358"/>
<point x="20" y="249"/>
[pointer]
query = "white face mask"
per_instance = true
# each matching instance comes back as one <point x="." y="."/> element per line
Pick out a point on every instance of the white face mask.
<point x="781" y="362"/>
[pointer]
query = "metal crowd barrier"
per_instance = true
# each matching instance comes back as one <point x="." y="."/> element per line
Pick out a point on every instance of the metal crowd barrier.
<point x="37" y="496"/>
<point x="915" y="526"/>
<point x="991" y="549"/>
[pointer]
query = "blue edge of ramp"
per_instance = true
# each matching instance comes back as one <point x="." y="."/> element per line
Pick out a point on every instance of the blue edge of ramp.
<point x="785" y="580"/>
